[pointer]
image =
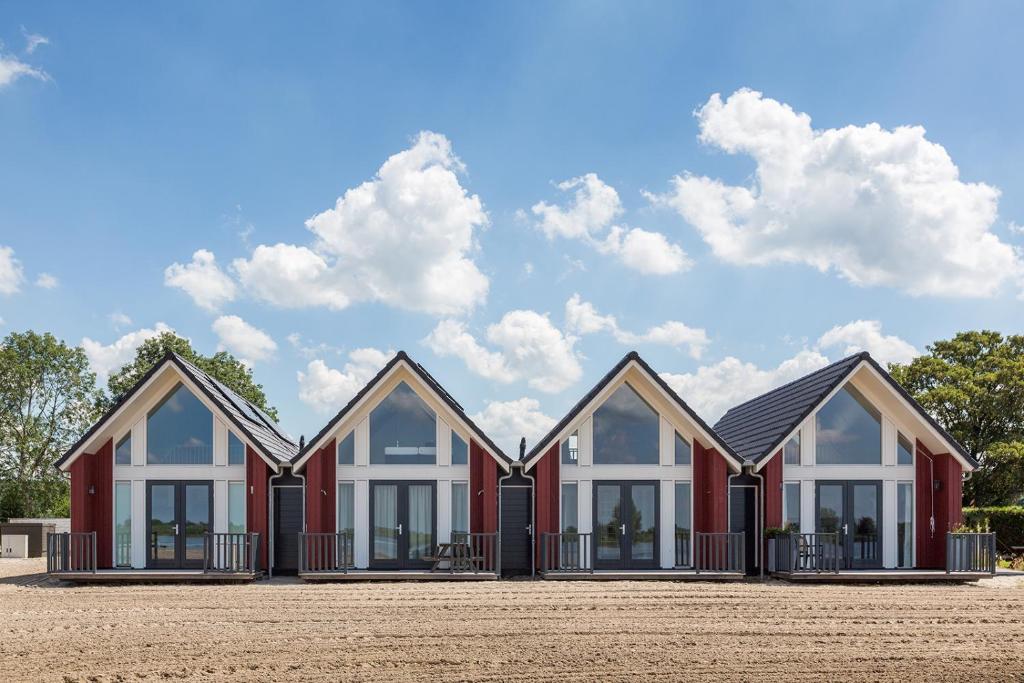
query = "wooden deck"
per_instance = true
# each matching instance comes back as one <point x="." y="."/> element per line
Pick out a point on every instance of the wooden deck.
<point x="642" y="575"/>
<point x="882" y="576"/>
<point x="397" y="575"/>
<point x="155" y="576"/>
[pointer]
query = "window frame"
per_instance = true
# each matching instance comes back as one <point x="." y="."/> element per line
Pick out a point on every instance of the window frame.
<point x="595" y="438"/>
<point x="245" y="506"/>
<point x="337" y="513"/>
<point x="180" y="384"/>
<point x="369" y="425"/>
<point x="799" y="503"/>
<point x="675" y="499"/>
<point x="785" y="449"/>
<point x="124" y="483"/>
<point x="451" y="449"/>
<point x="676" y="438"/>
<point x="117" y="446"/>
<point x="245" y="448"/>
<point x="351" y="435"/>
<point x="561" y="506"/>
<point x="451" y="507"/>
<point x="913" y="523"/>
<point x="913" y="448"/>
<point x="854" y="393"/>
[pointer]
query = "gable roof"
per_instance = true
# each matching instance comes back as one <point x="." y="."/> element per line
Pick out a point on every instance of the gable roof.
<point x="401" y="357"/>
<point x="544" y="444"/>
<point x="757" y="428"/>
<point x="270" y="440"/>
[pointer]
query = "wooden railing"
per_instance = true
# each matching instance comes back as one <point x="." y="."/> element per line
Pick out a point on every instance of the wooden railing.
<point x="475" y="552"/>
<point x="71" y="552"/>
<point x="326" y="552"/>
<point x="237" y="553"/>
<point x="814" y="553"/>
<point x="568" y="552"/>
<point x="719" y="552"/>
<point x="970" y="553"/>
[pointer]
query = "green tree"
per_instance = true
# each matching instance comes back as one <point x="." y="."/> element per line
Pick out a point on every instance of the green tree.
<point x="221" y="365"/>
<point x="48" y="398"/>
<point x="973" y="384"/>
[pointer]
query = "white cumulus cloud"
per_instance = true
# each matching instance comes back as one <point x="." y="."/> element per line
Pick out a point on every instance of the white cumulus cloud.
<point x="106" y="358"/>
<point x="880" y="207"/>
<point x="590" y="217"/>
<point x="11" y="272"/>
<point x="46" y="281"/>
<point x="506" y="422"/>
<point x="12" y="68"/>
<point x="405" y="238"/>
<point x="581" y="318"/>
<point x="203" y="280"/>
<point x="327" y="390"/>
<point x="527" y="347"/>
<point x="250" y="344"/>
<point x="866" y="335"/>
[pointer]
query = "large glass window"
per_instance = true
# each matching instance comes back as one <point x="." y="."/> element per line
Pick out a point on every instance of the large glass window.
<point x="570" y="508"/>
<point x="848" y="430"/>
<point x="460" y="451"/>
<point x="403" y="430"/>
<point x="683" y="525"/>
<point x="236" y="507"/>
<point x="460" y="507"/>
<point x="123" y="523"/>
<point x="123" y="450"/>
<point x="179" y="431"/>
<point x="347" y="507"/>
<point x="236" y="450"/>
<point x="571" y="449"/>
<point x="347" y="450"/>
<point x="904" y="451"/>
<point x="625" y="430"/>
<point x="684" y="455"/>
<point x="791" y="451"/>
<point x="905" y="523"/>
<point x="791" y="506"/>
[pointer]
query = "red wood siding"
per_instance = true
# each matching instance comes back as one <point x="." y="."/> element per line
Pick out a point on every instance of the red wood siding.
<point x="947" y="501"/>
<point x="772" y="473"/>
<point x="321" y="490"/>
<point x="483" y="490"/>
<point x="710" y="490"/>
<point x="546" y="514"/>
<point x="95" y="511"/>
<point x="257" y="476"/>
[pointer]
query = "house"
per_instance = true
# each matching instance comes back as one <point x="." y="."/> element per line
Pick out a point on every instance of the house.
<point x="400" y="470"/>
<point x="849" y="459"/>
<point x="179" y="463"/>
<point x="631" y="479"/>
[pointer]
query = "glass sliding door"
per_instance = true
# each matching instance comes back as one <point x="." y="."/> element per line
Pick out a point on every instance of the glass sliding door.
<point x="179" y="514"/>
<point x="403" y="524"/>
<point x="626" y="524"/>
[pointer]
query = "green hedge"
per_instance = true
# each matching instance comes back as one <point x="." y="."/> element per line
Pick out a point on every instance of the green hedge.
<point x="1007" y="523"/>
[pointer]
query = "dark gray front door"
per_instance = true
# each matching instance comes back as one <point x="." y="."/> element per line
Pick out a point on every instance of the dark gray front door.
<point x="179" y="514"/>
<point x="853" y="510"/>
<point x="743" y="519"/>
<point x="626" y="525"/>
<point x="288" y="503"/>
<point x="515" y="530"/>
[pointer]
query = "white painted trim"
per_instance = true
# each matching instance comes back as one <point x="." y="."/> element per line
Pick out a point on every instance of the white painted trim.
<point x="374" y="397"/>
<point x="588" y="410"/>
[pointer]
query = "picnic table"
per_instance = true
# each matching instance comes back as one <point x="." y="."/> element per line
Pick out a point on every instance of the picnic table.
<point x="459" y="555"/>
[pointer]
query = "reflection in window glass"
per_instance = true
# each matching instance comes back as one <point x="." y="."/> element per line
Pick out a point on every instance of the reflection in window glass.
<point x="571" y="449"/>
<point x="347" y="507"/>
<point x="905" y="523"/>
<point x="236" y="507"/>
<point x="904" y="451"/>
<point x="848" y="430"/>
<point x="570" y="509"/>
<point x="347" y="450"/>
<point x="683" y="524"/>
<point x="123" y="523"/>
<point x="791" y="506"/>
<point x="625" y="430"/>
<point x="123" y="450"/>
<point x="683" y="453"/>
<point x="403" y="430"/>
<point x="460" y="451"/>
<point x="236" y="450"/>
<point x="179" y="431"/>
<point x="460" y="507"/>
<point x="791" y="451"/>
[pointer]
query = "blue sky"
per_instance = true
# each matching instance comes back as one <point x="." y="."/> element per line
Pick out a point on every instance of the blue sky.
<point x="734" y="241"/>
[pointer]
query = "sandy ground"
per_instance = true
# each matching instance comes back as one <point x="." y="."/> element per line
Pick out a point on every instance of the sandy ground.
<point x="511" y="630"/>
